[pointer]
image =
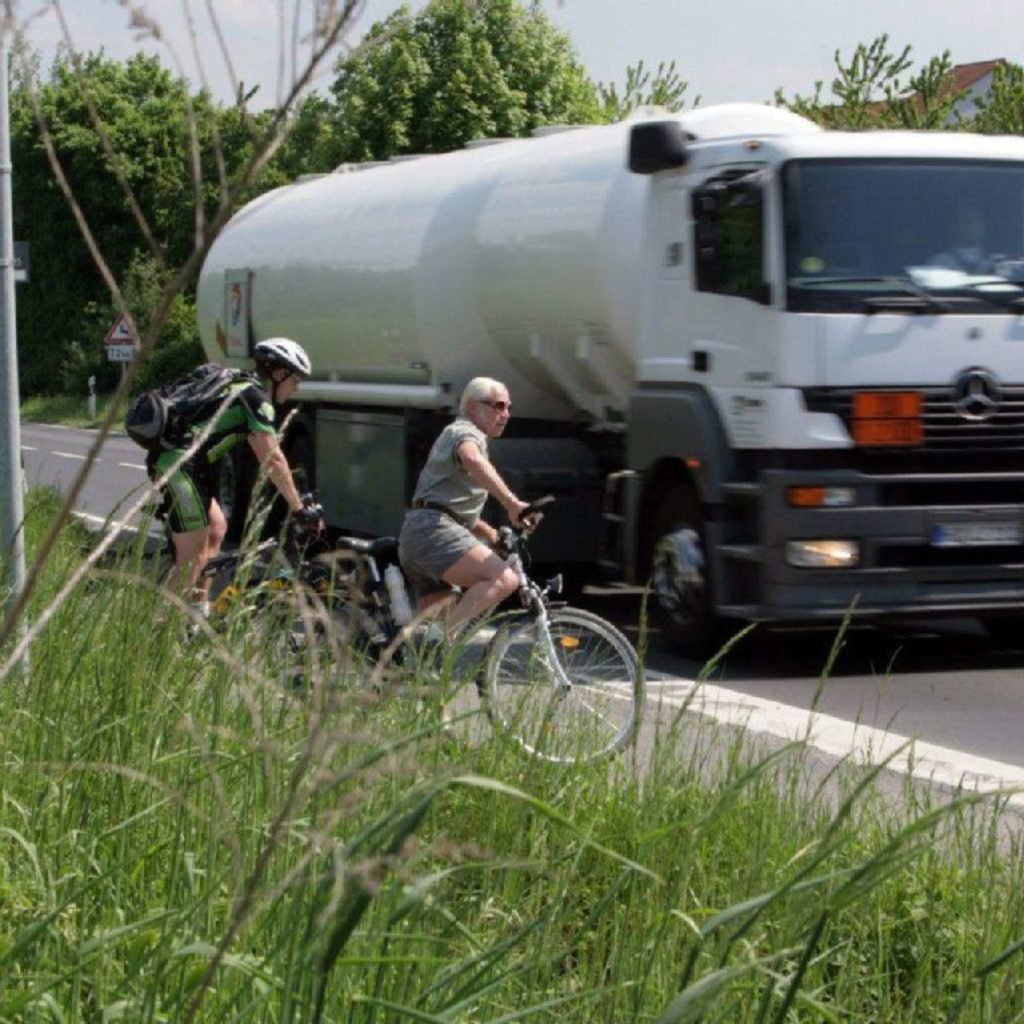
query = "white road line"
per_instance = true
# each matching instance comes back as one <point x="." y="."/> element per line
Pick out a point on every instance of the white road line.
<point x="132" y="465"/>
<point x="839" y="738"/>
<point x="114" y="524"/>
<point x="72" y="455"/>
<point x="29" y="448"/>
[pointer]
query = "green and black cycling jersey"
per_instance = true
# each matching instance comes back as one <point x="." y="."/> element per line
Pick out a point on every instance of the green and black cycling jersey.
<point x="192" y="484"/>
<point x="250" y="412"/>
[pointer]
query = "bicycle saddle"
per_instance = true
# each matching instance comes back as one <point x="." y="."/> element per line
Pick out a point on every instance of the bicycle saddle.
<point x="377" y="546"/>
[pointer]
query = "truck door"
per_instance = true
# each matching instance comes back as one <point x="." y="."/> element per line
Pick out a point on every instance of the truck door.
<point x="730" y="331"/>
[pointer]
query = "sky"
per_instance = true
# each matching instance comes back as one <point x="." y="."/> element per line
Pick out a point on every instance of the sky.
<point x="728" y="50"/>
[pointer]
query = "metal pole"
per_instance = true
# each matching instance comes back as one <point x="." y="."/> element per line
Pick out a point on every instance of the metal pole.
<point x="12" y="505"/>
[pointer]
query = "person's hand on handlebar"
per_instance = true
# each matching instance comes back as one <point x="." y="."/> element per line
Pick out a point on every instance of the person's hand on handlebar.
<point x="502" y="541"/>
<point x="527" y="524"/>
<point x="309" y="520"/>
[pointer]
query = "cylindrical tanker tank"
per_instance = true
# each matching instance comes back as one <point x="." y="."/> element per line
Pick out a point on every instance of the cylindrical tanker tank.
<point x="516" y="259"/>
<point x="519" y="259"/>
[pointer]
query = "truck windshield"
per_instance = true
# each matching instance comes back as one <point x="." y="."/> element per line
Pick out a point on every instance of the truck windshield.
<point x="912" y="235"/>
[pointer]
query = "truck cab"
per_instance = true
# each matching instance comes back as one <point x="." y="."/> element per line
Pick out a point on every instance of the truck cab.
<point x="828" y="416"/>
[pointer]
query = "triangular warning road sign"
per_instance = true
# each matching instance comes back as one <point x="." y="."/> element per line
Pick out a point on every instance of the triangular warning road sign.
<point x="122" y="332"/>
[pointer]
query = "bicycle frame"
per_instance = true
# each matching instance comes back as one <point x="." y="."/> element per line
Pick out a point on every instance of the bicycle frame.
<point x="533" y="598"/>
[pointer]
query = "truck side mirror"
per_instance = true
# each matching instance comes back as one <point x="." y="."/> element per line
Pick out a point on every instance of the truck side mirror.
<point x="656" y="146"/>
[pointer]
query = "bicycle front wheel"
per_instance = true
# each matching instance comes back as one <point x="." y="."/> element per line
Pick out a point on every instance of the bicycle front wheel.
<point x="588" y="709"/>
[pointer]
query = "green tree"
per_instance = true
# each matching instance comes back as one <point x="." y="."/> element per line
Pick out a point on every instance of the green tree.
<point x="457" y="71"/>
<point x="872" y="91"/>
<point x="666" y="89"/>
<point x="310" y="144"/>
<point x="150" y="121"/>
<point x="1002" y="111"/>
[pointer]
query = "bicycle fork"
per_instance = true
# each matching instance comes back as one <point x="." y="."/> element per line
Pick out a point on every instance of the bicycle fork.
<point x="560" y="682"/>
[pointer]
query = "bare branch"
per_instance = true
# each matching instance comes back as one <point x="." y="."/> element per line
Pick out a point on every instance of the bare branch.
<point x="145" y="27"/>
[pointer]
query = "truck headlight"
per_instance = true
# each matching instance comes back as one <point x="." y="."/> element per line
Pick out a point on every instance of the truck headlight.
<point x="823" y="554"/>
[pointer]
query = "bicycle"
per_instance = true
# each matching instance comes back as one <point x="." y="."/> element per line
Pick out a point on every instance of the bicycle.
<point x="561" y="681"/>
<point x="301" y="592"/>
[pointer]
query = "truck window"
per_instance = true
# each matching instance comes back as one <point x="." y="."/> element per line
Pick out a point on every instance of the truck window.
<point x="948" y="234"/>
<point x="729" y="236"/>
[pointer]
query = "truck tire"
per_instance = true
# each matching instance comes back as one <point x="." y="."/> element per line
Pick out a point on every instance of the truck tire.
<point x="680" y="592"/>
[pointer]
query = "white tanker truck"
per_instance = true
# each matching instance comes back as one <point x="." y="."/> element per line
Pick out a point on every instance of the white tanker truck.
<point x="749" y="356"/>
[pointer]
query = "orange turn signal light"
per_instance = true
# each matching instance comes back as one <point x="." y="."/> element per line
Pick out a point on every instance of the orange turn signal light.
<point x="810" y="496"/>
<point x="807" y="497"/>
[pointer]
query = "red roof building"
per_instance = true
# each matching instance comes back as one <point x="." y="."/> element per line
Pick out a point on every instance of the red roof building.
<point x="976" y="79"/>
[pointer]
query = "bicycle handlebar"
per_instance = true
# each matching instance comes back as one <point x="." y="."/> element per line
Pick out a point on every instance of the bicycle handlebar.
<point x="537" y="506"/>
<point x="512" y="537"/>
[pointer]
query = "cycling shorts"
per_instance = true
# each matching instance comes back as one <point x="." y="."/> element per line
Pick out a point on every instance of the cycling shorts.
<point x="188" y="493"/>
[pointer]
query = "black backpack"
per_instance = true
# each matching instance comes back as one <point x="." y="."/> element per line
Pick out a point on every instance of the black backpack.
<point x="162" y="419"/>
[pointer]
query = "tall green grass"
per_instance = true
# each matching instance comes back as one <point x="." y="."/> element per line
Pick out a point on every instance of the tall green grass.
<point x="186" y="836"/>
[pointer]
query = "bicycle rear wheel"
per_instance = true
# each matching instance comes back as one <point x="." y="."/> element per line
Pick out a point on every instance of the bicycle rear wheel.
<point x="589" y="710"/>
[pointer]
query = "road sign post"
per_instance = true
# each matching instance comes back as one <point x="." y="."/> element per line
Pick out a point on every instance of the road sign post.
<point x="12" y="506"/>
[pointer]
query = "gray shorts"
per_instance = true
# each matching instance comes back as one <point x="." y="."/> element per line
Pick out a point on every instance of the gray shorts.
<point x="429" y="544"/>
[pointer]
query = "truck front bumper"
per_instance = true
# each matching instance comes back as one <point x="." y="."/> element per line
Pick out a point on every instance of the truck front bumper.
<point x="928" y="543"/>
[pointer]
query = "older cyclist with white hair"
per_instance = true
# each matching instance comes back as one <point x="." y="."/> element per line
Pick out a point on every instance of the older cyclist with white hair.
<point x="443" y="542"/>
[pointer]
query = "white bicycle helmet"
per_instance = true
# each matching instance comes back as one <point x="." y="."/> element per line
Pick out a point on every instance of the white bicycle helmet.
<point x="283" y="352"/>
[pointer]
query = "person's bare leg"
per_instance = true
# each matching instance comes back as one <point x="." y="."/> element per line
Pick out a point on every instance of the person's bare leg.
<point x="486" y="581"/>
<point x="432" y="600"/>
<point x="189" y="553"/>
<point x="215" y="534"/>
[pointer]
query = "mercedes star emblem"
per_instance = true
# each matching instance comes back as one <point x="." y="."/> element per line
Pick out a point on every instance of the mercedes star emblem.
<point x="976" y="394"/>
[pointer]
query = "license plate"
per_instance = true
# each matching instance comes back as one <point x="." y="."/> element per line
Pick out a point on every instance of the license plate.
<point x="976" y="535"/>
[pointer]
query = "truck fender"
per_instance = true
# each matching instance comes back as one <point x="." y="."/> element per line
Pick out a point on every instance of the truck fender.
<point x="680" y="424"/>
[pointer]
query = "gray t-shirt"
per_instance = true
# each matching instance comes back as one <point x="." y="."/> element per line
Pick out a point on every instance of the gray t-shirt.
<point x="444" y="481"/>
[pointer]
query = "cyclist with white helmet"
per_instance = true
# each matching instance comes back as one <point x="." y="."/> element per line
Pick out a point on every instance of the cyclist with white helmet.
<point x="196" y="521"/>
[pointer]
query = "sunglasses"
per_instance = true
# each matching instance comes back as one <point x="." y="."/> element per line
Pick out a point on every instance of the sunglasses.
<point x="500" y="405"/>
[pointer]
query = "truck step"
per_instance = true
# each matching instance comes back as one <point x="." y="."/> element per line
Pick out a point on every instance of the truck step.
<point x="741" y="552"/>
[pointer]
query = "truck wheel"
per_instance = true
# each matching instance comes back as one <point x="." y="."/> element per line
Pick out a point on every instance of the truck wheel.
<point x="679" y="584"/>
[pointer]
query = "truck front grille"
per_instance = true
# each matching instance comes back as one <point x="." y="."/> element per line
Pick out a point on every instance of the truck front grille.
<point x="945" y="428"/>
